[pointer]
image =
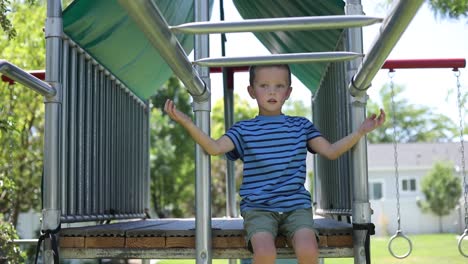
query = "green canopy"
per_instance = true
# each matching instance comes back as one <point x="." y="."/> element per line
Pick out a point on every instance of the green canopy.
<point x="296" y="41"/>
<point x="107" y="33"/>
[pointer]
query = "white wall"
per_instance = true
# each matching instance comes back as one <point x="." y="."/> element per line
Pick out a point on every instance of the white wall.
<point x="412" y="220"/>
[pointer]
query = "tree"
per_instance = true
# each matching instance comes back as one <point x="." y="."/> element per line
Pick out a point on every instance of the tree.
<point x="22" y="114"/>
<point x="413" y="123"/>
<point x="442" y="190"/>
<point x="172" y="155"/>
<point x="450" y="8"/>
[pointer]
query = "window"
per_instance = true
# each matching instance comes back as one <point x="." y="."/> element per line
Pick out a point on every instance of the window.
<point x="408" y="185"/>
<point x="375" y="190"/>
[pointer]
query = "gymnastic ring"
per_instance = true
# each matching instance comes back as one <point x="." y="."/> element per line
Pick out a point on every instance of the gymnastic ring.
<point x="397" y="235"/>
<point x="460" y="242"/>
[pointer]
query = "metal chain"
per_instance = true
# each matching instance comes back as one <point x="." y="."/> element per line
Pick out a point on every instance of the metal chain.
<point x="462" y="146"/>
<point x="391" y="73"/>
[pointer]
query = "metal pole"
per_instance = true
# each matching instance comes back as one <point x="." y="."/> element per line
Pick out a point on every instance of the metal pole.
<point x="27" y="79"/>
<point x="276" y="24"/>
<point x="152" y="23"/>
<point x="52" y="137"/>
<point x="228" y="92"/>
<point x="202" y="160"/>
<point x="391" y="30"/>
<point x="361" y="206"/>
<point x="361" y="210"/>
<point x="278" y="59"/>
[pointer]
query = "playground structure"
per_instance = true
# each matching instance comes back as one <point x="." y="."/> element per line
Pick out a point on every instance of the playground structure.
<point x="96" y="161"/>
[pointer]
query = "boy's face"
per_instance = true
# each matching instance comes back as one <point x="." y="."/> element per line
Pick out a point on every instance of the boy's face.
<point x="271" y="89"/>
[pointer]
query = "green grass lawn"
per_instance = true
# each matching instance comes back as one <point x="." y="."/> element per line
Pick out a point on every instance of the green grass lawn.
<point x="427" y="249"/>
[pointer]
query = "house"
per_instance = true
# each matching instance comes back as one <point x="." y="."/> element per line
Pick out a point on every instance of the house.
<point x="415" y="160"/>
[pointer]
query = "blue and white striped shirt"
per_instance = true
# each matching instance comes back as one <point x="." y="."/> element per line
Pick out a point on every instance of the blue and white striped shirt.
<point x="273" y="149"/>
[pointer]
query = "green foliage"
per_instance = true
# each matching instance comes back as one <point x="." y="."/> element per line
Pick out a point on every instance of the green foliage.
<point x="441" y="189"/>
<point x="297" y="108"/>
<point x="22" y="112"/>
<point x="413" y="123"/>
<point x="5" y="22"/>
<point x="171" y="156"/>
<point x="450" y="8"/>
<point x="9" y="252"/>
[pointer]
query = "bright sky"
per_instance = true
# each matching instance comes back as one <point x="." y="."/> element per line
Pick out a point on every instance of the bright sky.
<point x="426" y="37"/>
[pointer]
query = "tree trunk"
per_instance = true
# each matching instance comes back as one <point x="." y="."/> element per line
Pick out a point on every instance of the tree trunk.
<point x="440" y="224"/>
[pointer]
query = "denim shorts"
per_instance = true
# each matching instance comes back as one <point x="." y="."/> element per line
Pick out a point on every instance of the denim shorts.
<point x="276" y="223"/>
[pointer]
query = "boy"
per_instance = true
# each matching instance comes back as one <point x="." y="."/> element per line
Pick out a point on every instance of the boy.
<point x="273" y="148"/>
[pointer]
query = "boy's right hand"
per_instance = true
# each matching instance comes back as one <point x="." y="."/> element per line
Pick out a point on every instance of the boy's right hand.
<point x="174" y="114"/>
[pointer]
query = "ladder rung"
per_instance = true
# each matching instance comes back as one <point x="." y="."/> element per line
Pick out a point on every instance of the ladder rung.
<point x="277" y="24"/>
<point x="278" y="59"/>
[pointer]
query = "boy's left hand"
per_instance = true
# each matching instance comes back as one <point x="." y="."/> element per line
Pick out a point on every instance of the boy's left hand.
<point x="372" y="122"/>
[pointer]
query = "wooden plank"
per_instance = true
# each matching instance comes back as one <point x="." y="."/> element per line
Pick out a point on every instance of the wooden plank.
<point x="72" y="242"/>
<point x="145" y="242"/>
<point x="180" y="242"/>
<point x="340" y="241"/>
<point x="105" y="242"/>
<point x="229" y="242"/>
<point x="323" y="242"/>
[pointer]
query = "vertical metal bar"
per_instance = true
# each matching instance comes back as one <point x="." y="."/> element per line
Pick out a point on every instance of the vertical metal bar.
<point x="146" y="154"/>
<point x="102" y="141"/>
<point x="81" y="131"/>
<point x="133" y="172"/>
<point x="65" y="139"/>
<point x="107" y="96"/>
<point x="87" y="135"/>
<point x="361" y="206"/>
<point x="113" y="147"/>
<point x="139" y="157"/>
<point x="202" y="160"/>
<point x="126" y="161"/>
<point x="120" y="143"/>
<point x="231" y="206"/>
<point x="73" y="129"/>
<point x="95" y="176"/>
<point x="51" y="211"/>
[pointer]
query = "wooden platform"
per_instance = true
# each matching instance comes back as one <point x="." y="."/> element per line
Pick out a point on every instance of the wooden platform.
<point x="175" y="238"/>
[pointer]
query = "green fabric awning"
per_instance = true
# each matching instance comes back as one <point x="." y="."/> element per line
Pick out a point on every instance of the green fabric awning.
<point x="296" y="41"/>
<point x="105" y="31"/>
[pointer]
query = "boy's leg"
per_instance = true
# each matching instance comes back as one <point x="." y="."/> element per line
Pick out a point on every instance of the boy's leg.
<point x="261" y="228"/>
<point x="298" y="226"/>
<point x="264" y="249"/>
<point x="305" y="246"/>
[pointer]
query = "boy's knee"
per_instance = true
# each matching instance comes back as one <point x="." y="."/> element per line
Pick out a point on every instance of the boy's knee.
<point x="306" y="246"/>
<point x="264" y="248"/>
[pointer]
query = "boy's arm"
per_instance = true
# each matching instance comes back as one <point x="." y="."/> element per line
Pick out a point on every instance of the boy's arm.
<point x="211" y="146"/>
<point x="333" y="151"/>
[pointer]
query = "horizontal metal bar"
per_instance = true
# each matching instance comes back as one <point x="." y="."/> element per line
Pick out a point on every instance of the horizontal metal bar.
<point x="278" y="59"/>
<point x="25" y="241"/>
<point x="277" y="24"/>
<point x="454" y="63"/>
<point x="17" y="74"/>
<point x="40" y="74"/>
<point x="187" y="253"/>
